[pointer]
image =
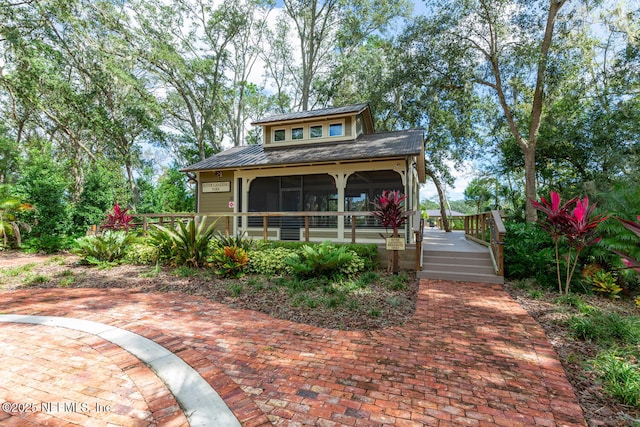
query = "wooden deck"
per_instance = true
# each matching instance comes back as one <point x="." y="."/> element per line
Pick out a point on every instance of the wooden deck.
<point x="450" y="256"/>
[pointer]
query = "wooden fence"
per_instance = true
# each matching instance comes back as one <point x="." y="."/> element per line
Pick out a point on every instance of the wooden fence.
<point x="145" y="220"/>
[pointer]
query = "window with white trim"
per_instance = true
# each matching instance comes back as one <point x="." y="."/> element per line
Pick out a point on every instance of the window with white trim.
<point x="279" y="135"/>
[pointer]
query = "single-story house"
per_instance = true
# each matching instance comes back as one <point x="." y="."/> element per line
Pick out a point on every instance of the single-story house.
<point x="327" y="161"/>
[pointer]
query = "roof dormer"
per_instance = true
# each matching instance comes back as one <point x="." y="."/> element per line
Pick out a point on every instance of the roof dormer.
<point x="316" y="126"/>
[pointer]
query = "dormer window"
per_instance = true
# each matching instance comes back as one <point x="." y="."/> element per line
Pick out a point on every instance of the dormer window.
<point x="279" y="135"/>
<point x="315" y="131"/>
<point x="336" y="129"/>
<point x="297" y="133"/>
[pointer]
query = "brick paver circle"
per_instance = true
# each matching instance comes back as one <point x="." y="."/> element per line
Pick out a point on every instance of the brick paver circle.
<point x="469" y="356"/>
<point x="58" y="376"/>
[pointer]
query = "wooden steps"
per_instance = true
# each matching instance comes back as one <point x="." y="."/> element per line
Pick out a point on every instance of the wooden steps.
<point x="459" y="266"/>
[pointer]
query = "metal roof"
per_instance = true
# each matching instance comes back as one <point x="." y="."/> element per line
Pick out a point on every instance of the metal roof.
<point x="302" y="115"/>
<point x="371" y="146"/>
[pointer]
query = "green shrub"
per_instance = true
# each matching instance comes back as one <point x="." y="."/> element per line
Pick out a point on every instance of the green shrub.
<point x="141" y="254"/>
<point x="325" y="260"/>
<point x="229" y="261"/>
<point x="185" y="245"/>
<point x="270" y="261"/>
<point x="604" y="328"/>
<point x="367" y="252"/>
<point x="49" y="244"/>
<point x="529" y="253"/>
<point x="111" y="246"/>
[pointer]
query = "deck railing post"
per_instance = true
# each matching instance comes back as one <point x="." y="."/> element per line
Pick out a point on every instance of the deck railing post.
<point x="264" y="228"/>
<point x="353" y="228"/>
<point x="228" y="227"/>
<point x="306" y="228"/>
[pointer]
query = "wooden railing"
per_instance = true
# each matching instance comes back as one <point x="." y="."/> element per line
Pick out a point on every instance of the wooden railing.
<point x="488" y="229"/>
<point x="145" y="220"/>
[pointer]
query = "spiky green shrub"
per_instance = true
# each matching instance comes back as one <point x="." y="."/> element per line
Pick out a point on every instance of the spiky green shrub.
<point x="240" y="240"/>
<point x="325" y="260"/>
<point x="186" y="245"/>
<point x="111" y="246"/>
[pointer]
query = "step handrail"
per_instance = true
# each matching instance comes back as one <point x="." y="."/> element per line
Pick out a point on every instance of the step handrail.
<point x="488" y="229"/>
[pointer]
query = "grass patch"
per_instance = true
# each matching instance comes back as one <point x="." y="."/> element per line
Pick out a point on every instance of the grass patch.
<point x="621" y="376"/>
<point x="17" y="271"/>
<point x="35" y="280"/>
<point x="606" y="328"/>
<point x="235" y="289"/>
<point x="184" y="272"/>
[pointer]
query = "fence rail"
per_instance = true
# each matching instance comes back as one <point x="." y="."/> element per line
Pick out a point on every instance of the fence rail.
<point x="488" y="229"/>
<point x="145" y="220"/>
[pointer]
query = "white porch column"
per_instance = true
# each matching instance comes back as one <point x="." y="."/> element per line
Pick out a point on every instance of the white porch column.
<point x="341" y="184"/>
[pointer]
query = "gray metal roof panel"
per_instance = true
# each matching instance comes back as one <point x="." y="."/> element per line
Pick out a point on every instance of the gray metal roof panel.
<point x="354" y="109"/>
<point x="378" y="145"/>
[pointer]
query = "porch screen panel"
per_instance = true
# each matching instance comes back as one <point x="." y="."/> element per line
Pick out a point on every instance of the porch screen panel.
<point x="320" y="195"/>
<point x="264" y="196"/>
<point x="363" y="188"/>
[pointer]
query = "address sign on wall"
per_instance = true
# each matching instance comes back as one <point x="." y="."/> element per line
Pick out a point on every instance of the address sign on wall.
<point x="216" y="187"/>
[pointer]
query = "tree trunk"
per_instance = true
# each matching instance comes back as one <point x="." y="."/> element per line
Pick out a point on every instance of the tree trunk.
<point x="531" y="214"/>
<point x="443" y="202"/>
<point x="132" y="185"/>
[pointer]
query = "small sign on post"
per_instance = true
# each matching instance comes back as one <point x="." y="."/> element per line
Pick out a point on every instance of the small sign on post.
<point x="395" y="244"/>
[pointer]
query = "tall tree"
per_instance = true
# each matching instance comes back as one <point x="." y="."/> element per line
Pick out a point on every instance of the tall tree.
<point x="330" y="28"/>
<point x="243" y="96"/>
<point x="187" y="46"/>
<point x="505" y="47"/>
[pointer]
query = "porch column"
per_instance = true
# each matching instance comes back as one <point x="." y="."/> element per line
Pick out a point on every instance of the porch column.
<point x="341" y="184"/>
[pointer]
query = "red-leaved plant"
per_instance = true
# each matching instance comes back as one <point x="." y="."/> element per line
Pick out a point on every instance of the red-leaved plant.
<point x="389" y="209"/>
<point x="118" y="220"/>
<point x="627" y="259"/>
<point x="577" y="226"/>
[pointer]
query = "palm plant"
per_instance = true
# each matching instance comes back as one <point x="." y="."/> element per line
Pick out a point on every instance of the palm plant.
<point x="186" y="245"/>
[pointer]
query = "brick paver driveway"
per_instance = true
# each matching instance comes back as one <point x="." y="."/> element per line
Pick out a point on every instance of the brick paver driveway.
<point x="470" y="356"/>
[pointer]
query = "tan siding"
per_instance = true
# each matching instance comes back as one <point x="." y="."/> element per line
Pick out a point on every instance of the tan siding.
<point x="216" y="202"/>
<point x="347" y="126"/>
<point x="266" y="134"/>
